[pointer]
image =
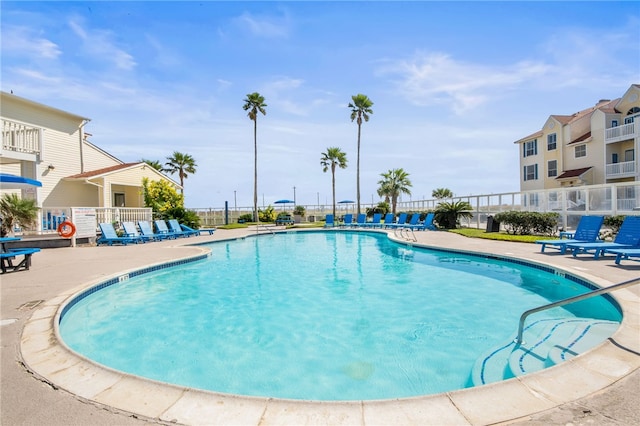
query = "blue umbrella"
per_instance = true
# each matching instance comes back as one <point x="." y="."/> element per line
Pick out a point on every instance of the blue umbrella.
<point x="8" y="181"/>
<point x="346" y="202"/>
<point x="284" y="202"/>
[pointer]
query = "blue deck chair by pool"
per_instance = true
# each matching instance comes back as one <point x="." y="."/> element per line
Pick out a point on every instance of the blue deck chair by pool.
<point x="622" y="254"/>
<point x="375" y="221"/>
<point x="130" y="230"/>
<point x="146" y="229"/>
<point x="110" y="236"/>
<point x="427" y="223"/>
<point x="176" y="229"/>
<point x="328" y="221"/>
<point x="404" y="224"/>
<point x="361" y="220"/>
<point x="586" y="232"/>
<point x="348" y="220"/>
<point x="628" y="237"/>
<point x="388" y="220"/>
<point x="198" y="231"/>
<point x="162" y="229"/>
<point x="402" y="219"/>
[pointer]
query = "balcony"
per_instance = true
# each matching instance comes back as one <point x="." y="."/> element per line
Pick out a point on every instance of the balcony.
<point x="20" y="141"/>
<point x="621" y="170"/>
<point x="621" y="133"/>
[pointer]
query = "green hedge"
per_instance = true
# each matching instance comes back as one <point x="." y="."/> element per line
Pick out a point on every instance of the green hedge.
<point x="527" y="223"/>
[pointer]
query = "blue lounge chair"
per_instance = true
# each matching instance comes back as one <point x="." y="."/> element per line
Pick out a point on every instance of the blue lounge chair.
<point x="7" y="257"/>
<point x="198" y="231"/>
<point x="348" y="220"/>
<point x="146" y="230"/>
<point x="162" y="229"/>
<point x="403" y="224"/>
<point x="402" y="219"/>
<point x="586" y="232"/>
<point x="375" y="221"/>
<point x="628" y="237"/>
<point x="622" y="254"/>
<point x="388" y="220"/>
<point x="109" y="236"/>
<point x="176" y="229"/>
<point x="427" y="223"/>
<point x="328" y="221"/>
<point x="361" y="220"/>
<point x="130" y="230"/>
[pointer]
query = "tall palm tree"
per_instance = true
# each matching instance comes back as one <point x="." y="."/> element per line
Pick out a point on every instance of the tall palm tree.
<point x="180" y="163"/>
<point x="441" y="193"/>
<point x="254" y="103"/>
<point x="360" y="109"/>
<point x="153" y="163"/>
<point x="393" y="183"/>
<point x="333" y="158"/>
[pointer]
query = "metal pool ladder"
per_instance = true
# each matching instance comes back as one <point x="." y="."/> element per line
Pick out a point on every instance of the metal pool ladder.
<point x="573" y="299"/>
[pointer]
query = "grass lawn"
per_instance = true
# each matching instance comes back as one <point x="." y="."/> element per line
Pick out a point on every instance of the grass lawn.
<point x="501" y="236"/>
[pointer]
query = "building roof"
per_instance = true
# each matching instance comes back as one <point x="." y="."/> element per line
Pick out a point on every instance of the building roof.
<point x="573" y="173"/>
<point x="582" y="138"/>
<point x="103" y="171"/>
<point x="43" y="106"/>
<point x="531" y="136"/>
<point x="119" y="167"/>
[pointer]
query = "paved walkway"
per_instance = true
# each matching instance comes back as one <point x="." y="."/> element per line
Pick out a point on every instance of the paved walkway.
<point x="25" y="400"/>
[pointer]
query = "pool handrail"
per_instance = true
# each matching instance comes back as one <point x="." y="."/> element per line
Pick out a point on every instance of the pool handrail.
<point x="569" y="300"/>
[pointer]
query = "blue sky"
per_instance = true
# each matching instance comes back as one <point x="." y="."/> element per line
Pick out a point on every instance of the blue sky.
<point x="454" y="84"/>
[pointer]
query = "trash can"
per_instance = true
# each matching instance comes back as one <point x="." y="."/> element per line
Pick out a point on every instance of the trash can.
<point x="311" y="218"/>
<point x="492" y="224"/>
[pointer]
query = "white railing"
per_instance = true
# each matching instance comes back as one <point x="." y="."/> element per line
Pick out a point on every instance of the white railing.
<point x="18" y="137"/>
<point x="624" y="169"/>
<point x="618" y="133"/>
<point x="54" y="216"/>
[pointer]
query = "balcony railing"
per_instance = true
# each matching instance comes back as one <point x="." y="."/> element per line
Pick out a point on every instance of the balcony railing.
<point x="621" y="170"/>
<point x="620" y="133"/>
<point x="21" y="138"/>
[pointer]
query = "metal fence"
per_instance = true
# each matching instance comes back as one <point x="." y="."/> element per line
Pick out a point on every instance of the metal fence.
<point x="570" y="203"/>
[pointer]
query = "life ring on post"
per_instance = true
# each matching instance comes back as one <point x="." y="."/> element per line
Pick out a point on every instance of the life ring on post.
<point x="66" y="229"/>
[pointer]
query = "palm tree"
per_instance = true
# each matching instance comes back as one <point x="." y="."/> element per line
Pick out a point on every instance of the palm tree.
<point x="448" y="214"/>
<point x="333" y="158"/>
<point x="441" y="193"/>
<point x="182" y="164"/>
<point x="360" y="109"/>
<point x="153" y="163"/>
<point x="394" y="183"/>
<point x="16" y="211"/>
<point x="254" y="103"/>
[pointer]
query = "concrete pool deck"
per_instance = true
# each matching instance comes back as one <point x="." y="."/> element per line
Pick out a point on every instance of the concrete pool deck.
<point x="43" y="383"/>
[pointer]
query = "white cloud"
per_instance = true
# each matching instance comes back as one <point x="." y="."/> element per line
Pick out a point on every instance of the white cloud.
<point x="98" y="44"/>
<point x="264" y="26"/>
<point x="24" y="41"/>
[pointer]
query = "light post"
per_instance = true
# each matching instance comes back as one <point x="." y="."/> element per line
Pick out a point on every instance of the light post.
<point x="235" y="201"/>
<point x="294" y="196"/>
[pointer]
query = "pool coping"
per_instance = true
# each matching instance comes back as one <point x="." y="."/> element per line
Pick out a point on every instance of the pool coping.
<point x="48" y="358"/>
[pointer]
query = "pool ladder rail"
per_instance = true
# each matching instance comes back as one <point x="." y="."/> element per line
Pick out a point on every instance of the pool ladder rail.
<point x="550" y="341"/>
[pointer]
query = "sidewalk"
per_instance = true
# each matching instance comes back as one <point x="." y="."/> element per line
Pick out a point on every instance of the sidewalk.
<point x="28" y="401"/>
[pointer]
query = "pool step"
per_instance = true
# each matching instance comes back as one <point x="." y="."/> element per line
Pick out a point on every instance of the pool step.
<point x="546" y="342"/>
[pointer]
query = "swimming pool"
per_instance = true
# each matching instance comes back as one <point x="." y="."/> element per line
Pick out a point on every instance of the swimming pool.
<point x="339" y="328"/>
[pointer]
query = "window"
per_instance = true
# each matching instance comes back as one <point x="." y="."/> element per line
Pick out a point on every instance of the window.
<point x="614" y="158"/>
<point x="614" y="123"/>
<point x="118" y="199"/>
<point x="552" y="168"/>
<point x="628" y="120"/>
<point x="530" y="148"/>
<point x="581" y="151"/>
<point x="551" y="142"/>
<point x="531" y="172"/>
<point x="628" y="155"/>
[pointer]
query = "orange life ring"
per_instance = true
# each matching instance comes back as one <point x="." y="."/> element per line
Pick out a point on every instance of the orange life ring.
<point x="66" y="229"/>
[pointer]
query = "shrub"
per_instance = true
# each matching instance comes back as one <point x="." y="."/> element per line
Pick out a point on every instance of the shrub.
<point x="382" y="207"/>
<point x="299" y="210"/>
<point x="527" y="223"/>
<point x="246" y="217"/>
<point x="448" y="214"/>
<point x="16" y="211"/>
<point x="614" y="222"/>
<point x="267" y="215"/>
<point x="182" y="215"/>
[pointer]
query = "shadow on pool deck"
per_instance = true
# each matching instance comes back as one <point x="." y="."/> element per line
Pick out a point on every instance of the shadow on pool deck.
<point x="28" y="401"/>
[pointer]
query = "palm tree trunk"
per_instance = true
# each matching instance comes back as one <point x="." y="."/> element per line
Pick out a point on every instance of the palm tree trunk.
<point x="255" y="169"/>
<point x="333" y="188"/>
<point x="358" y="166"/>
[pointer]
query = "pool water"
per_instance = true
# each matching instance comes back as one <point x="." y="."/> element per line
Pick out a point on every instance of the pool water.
<point x="318" y="316"/>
